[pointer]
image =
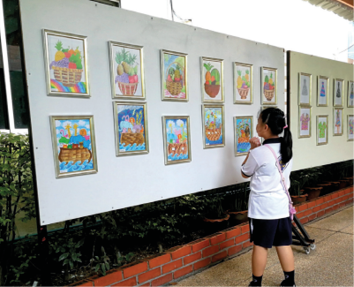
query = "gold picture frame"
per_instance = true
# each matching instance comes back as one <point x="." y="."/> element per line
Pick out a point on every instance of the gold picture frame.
<point x="243" y="89"/>
<point x="350" y="127"/>
<point x="66" y="69"/>
<point x="322" y="129"/>
<point x="304" y="120"/>
<point x="338" y="123"/>
<point x="350" y="94"/>
<point x="127" y="71"/>
<point x="305" y="91"/>
<point x="323" y="93"/>
<point x="338" y="91"/>
<point x="213" y="121"/>
<point x="212" y="80"/>
<point x="74" y="152"/>
<point x="242" y="134"/>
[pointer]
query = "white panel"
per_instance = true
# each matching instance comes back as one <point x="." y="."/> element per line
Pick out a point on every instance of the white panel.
<point x="132" y="180"/>
<point x="306" y="153"/>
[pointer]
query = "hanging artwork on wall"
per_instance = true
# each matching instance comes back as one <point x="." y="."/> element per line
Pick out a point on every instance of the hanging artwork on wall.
<point x="127" y="71"/>
<point x="174" y="76"/>
<point x="305" y="122"/>
<point x="338" y="85"/>
<point x="213" y="126"/>
<point x="243" y="83"/>
<point x="350" y="126"/>
<point x="269" y="86"/>
<point x="322" y="130"/>
<point x="337" y="121"/>
<point x="176" y="136"/>
<point x="65" y="64"/>
<point x="74" y="147"/>
<point x="350" y="101"/>
<point x="212" y="80"/>
<point x="243" y="133"/>
<point x="305" y="89"/>
<point x="322" y="91"/>
<point x="131" y="130"/>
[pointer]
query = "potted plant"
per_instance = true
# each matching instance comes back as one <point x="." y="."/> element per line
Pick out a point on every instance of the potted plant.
<point x="239" y="204"/>
<point x="312" y="188"/>
<point x="297" y="181"/>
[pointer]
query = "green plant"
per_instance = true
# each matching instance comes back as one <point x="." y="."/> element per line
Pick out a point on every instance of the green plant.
<point x="102" y="263"/>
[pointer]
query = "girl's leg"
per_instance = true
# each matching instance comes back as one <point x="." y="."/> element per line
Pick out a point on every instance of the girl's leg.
<point x="259" y="260"/>
<point x="286" y="258"/>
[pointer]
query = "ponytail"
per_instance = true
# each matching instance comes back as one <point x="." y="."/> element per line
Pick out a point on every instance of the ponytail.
<point x="275" y="119"/>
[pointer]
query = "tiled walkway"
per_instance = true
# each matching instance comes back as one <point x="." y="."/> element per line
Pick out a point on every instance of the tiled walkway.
<point x="330" y="264"/>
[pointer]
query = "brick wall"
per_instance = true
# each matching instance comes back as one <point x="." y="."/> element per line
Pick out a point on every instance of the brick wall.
<point x="191" y="258"/>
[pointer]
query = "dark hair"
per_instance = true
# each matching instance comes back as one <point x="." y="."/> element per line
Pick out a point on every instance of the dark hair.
<point x="275" y="119"/>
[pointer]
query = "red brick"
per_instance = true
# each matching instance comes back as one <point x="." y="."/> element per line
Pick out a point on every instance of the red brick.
<point x="172" y="266"/>
<point x="227" y="243"/>
<point x="319" y="201"/>
<point x="159" y="260"/>
<point x="335" y="195"/>
<point x="317" y="208"/>
<point x="340" y="194"/>
<point x="327" y="198"/>
<point x="304" y="220"/>
<point x="192" y="258"/>
<point x="247" y="244"/>
<point x="219" y="256"/>
<point x="324" y="206"/>
<point x="311" y="204"/>
<point x="88" y="283"/>
<point x="338" y="200"/>
<point x="302" y="207"/>
<point x="162" y="280"/>
<point x="232" y="233"/>
<point x="242" y="238"/>
<point x="312" y="217"/>
<point x="328" y="210"/>
<point x="129" y="282"/>
<point x="347" y="190"/>
<point x="211" y="250"/>
<point x="202" y="263"/>
<point x="320" y="213"/>
<point x="341" y="205"/>
<point x="245" y="228"/>
<point x="304" y="213"/>
<point x="109" y="279"/>
<point x="217" y="239"/>
<point x="331" y="202"/>
<point x="335" y="207"/>
<point x="149" y="275"/>
<point x="200" y="245"/>
<point x="235" y="249"/>
<point x="183" y="271"/>
<point x="185" y="250"/>
<point x="135" y="269"/>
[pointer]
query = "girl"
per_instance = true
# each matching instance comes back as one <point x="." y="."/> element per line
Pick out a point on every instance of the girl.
<point x="268" y="207"/>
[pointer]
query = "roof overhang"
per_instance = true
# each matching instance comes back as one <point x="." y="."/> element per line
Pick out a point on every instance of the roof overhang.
<point x="343" y="8"/>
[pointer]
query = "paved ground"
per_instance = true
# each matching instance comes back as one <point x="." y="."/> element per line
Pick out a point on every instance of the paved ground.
<point x="330" y="264"/>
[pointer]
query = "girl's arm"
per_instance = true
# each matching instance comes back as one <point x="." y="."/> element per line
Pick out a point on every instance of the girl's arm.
<point x="255" y="142"/>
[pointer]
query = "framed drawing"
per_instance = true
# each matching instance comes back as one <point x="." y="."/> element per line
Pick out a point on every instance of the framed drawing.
<point x="174" y="76"/>
<point x="243" y="83"/>
<point x="305" y="89"/>
<point x="176" y="137"/>
<point x="338" y="85"/>
<point x="213" y="126"/>
<point x="322" y="91"/>
<point x="74" y="148"/>
<point x="243" y="133"/>
<point x="212" y="80"/>
<point x="65" y="60"/>
<point x="322" y="130"/>
<point x="350" y="102"/>
<point x="127" y="71"/>
<point x="131" y="129"/>
<point x="350" y="126"/>
<point x="337" y="121"/>
<point x="269" y="86"/>
<point x="305" y="114"/>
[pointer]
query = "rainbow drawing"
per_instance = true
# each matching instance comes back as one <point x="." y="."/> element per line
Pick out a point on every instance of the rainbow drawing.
<point x="58" y="86"/>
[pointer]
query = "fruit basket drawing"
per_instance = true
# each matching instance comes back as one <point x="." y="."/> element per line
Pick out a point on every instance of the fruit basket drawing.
<point x="174" y="79"/>
<point x="243" y="84"/>
<point x="268" y="87"/>
<point x="68" y="77"/>
<point x="212" y="80"/>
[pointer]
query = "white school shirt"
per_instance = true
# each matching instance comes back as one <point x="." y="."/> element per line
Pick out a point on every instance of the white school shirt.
<point x="267" y="199"/>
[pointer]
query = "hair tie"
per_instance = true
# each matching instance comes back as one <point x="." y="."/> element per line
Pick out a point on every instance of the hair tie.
<point x="285" y="127"/>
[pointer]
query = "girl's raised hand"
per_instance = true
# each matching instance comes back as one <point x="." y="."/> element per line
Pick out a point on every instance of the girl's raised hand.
<point x="255" y="142"/>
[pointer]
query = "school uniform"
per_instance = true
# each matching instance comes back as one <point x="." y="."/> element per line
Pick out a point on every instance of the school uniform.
<point x="268" y="205"/>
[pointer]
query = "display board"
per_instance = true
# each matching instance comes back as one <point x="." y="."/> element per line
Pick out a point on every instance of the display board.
<point x="168" y="100"/>
<point x="321" y="102"/>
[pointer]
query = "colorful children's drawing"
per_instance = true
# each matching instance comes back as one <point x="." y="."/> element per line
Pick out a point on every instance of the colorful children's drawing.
<point x="322" y="130"/>
<point x="350" y="94"/>
<point x="66" y="64"/>
<point x="338" y="122"/>
<point x="337" y="98"/>
<point x="350" y="127"/>
<point x="176" y="138"/>
<point x="131" y="128"/>
<point x="305" y="89"/>
<point x="213" y="126"/>
<point x="269" y="86"/>
<point x="305" y="122"/>
<point x="212" y="80"/>
<point x="243" y="83"/>
<point x="243" y="132"/>
<point x="174" y="81"/>
<point x="127" y="70"/>
<point x="305" y="118"/>
<point x="74" y="145"/>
